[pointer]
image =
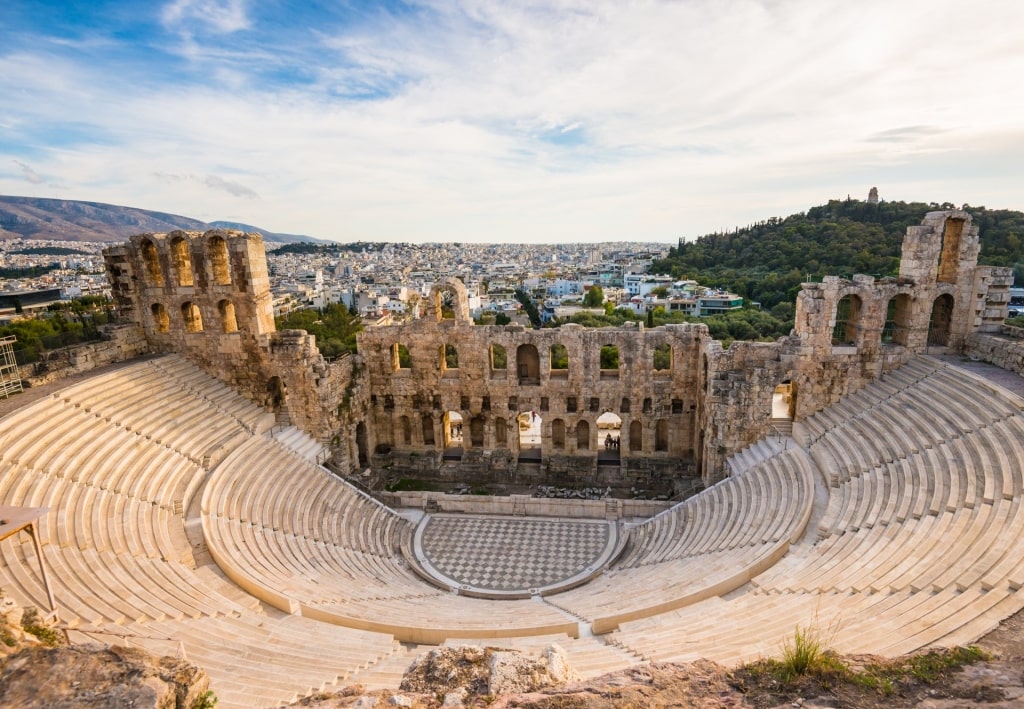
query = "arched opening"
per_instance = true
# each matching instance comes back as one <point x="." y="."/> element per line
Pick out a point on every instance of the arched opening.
<point x="949" y="251"/>
<point x="583" y="436"/>
<point x="228" y="321"/>
<point x="275" y="394"/>
<point x="559" y="361"/>
<point x="558" y="434"/>
<point x="453" y="431"/>
<point x="220" y="266"/>
<point x="528" y="365"/>
<point x="500" y="433"/>
<point x="662" y="359"/>
<point x="660" y="436"/>
<point x="446" y="300"/>
<point x="529" y="424"/>
<point x="400" y="357"/>
<point x="636" y="436"/>
<point x="499" y="360"/>
<point x="847" y="319"/>
<point x="784" y="401"/>
<point x="151" y="260"/>
<point x="161" y="321"/>
<point x="609" y="360"/>
<point x="192" y="317"/>
<point x="942" y="317"/>
<point x="476" y="431"/>
<point x="182" y="261"/>
<point x="609" y="436"/>
<point x="427" y="426"/>
<point x="449" y="358"/>
<point x="406" y="426"/>
<point x="897" y="320"/>
<point x="361" y="445"/>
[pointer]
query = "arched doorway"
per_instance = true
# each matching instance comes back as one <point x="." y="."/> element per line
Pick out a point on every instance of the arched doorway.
<point x="609" y="436"/>
<point x="583" y="436"/>
<point x="942" y="317"/>
<point x="528" y="365"/>
<point x="275" y="394"/>
<point x="476" y="431"/>
<point x="361" y="445"/>
<point x="784" y="401"/>
<point x="529" y="424"/>
<point x="636" y="436"/>
<point x="453" y="431"/>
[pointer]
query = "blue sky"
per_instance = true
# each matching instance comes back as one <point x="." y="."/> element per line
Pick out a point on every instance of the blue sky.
<point x="480" y="120"/>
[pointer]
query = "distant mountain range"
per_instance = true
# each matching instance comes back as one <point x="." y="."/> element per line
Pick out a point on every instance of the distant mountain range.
<point x="74" y="220"/>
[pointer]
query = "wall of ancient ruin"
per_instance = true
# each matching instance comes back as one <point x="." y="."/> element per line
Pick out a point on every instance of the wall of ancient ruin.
<point x="684" y="403"/>
<point x="1005" y="350"/>
<point x="505" y="371"/>
<point x="120" y="343"/>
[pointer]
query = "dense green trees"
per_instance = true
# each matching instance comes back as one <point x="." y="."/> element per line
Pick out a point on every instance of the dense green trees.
<point x="594" y="297"/>
<point x="767" y="261"/>
<point x="334" y="326"/>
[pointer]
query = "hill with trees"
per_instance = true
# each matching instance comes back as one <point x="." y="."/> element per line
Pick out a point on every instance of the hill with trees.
<point x="767" y="261"/>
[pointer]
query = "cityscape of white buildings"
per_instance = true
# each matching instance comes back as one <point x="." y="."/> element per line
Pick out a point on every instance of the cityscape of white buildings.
<point x="386" y="282"/>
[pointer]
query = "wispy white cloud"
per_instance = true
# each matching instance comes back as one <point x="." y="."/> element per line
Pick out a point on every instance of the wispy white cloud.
<point x="216" y="182"/>
<point x="573" y="120"/>
<point x="221" y="16"/>
<point x="29" y="174"/>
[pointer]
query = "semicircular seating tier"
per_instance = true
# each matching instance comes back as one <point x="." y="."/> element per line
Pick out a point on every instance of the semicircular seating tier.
<point x="304" y="541"/>
<point x="115" y="458"/>
<point x="705" y="546"/>
<point x="920" y="542"/>
<point x="915" y="536"/>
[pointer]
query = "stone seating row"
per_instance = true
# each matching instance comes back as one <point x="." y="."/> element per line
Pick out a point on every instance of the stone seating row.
<point x="158" y="407"/>
<point x="923" y="547"/>
<point x="81" y="448"/>
<point x="265" y="657"/>
<point x="298" y="441"/>
<point x="119" y="558"/>
<point x="214" y="391"/>
<point x="760" y="506"/>
<point x="264" y="482"/>
<point x="888" y="390"/>
<point x="338" y="560"/>
<point x="741" y="529"/>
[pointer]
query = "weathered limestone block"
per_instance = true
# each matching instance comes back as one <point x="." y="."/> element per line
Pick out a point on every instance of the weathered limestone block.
<point x="94" y="676"/>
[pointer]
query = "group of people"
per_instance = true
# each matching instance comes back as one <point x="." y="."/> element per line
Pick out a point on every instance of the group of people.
<point x="610" y="443"/>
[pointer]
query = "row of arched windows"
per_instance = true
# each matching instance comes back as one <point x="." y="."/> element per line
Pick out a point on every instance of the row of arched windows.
<point x="528" y="359"/>
<point x="898" y="317"/>
<point x="476" y="425"/>
<point x="192" y="317"/>
<point x="181" y="261"/>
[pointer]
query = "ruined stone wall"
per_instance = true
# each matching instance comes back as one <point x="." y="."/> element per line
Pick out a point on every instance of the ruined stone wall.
<point x="389" y="407"/>
<point x="850" y="331"/>
<point x="1006" y="350"/>
<point x="409" y="404"/>
<point x="120" y="343"/>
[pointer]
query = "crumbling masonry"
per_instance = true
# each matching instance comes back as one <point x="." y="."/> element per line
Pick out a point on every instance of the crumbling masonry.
<point x="683" y="403"/>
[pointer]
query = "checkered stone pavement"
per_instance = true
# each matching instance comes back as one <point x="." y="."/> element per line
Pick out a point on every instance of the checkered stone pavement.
<point x="512" y="554"/>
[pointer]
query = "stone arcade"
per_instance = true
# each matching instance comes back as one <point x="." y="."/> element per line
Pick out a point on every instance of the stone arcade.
<point x="682" y="403"/>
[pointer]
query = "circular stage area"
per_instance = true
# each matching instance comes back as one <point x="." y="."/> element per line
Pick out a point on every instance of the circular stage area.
<point x="512" y="557"/>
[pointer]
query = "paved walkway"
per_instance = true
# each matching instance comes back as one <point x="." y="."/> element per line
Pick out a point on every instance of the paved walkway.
<point x="513" y="554"/>
<point x="1003" y="377"/>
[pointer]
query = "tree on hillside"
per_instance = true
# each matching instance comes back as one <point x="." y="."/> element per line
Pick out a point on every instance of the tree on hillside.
<point x="767" y="261"/>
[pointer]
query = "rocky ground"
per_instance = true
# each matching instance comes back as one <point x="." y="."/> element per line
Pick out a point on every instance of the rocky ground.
<point x="925" y="681"/>
<point x="33" y="675"/>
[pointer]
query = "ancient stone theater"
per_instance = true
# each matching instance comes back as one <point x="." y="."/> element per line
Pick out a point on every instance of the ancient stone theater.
<point x="217" y="487"/>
